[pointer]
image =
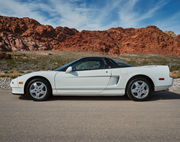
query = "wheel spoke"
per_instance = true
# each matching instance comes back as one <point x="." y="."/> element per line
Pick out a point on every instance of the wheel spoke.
<point x="35" y="85"/>
<point x="32" y="90"/>
<point x="145" y="92"/>
<point x="134" y="90"/>
<point x="41" y="86"/>
<point x="43" y="92"/>
<point x="143" y="85"/>
<point x="139" y="94"/>
<point x="37" y="94"/>
<point x="137" y="84"/>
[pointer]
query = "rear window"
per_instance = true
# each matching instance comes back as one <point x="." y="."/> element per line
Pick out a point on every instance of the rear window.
<point x="114" y="63"/>
<point x="120" y="63"/>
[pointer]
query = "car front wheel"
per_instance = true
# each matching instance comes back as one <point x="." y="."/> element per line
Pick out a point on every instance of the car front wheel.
<point x="139" y="89"/>
<point x="38" y="89"/>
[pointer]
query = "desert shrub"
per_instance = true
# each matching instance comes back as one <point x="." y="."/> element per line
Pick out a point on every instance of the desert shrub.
<point x="14" y="74"/>
<point x="132" y="62"/>
<point x="144" y="62"/>
<point x="174" y="67"/>
<point x="175" y="74"/>
<point x="5" y="55"/>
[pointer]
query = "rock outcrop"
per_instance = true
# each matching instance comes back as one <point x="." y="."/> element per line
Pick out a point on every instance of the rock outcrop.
<point x="18" y="34"/>
<point x="170" y="33"/>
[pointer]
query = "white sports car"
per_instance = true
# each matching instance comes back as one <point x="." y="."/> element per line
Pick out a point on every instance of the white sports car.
<point x="94" y="76"/>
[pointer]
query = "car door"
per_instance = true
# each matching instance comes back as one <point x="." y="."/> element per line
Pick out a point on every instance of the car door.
<point x="88" y="76"/>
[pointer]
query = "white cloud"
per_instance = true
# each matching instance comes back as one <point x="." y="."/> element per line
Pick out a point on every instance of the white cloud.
<point x="80" y="15"/>
<point x="170" y="23"/>
<point x="127" y="15"/>
<point x="130" y="17"/>
<point x="150" y="13"/>
<point x="62" y="13"/>
<point x="17" y="9"/>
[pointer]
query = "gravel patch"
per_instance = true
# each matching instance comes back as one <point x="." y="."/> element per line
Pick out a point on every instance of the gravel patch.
<point x="5" y="83"/>
<point x="176" y="85"/>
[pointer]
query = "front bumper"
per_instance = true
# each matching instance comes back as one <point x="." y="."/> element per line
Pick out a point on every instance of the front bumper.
<point x="16" y="88"/>
<point x="17" y="91"/>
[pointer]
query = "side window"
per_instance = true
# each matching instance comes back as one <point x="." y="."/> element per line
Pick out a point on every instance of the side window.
<point x="88" y="65"/>
<point x="110" y="64"/>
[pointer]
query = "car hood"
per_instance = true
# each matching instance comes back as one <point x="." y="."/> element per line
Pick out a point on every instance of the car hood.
<point x="37" y="73"/>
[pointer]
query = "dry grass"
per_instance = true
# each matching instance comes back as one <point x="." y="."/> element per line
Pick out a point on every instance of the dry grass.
<point x="29" y="61"/>
<point x="175" y="74"/>
<point x="12" y="74"/>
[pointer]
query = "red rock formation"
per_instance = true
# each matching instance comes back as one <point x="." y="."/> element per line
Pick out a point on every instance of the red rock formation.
<point x="117" y="41"/>
<point x="27" y="34"/>
<point x="18" y="34"/>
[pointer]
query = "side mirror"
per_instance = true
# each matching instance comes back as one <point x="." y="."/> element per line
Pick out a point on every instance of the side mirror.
<point x="69" y="69"/>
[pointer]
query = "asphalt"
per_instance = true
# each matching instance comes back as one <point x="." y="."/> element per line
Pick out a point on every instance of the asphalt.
<point x="90" y="119"/>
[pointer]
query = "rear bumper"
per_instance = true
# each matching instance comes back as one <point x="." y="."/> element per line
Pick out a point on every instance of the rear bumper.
<point x="162" y="88"/>
<point x="165" y="86"/>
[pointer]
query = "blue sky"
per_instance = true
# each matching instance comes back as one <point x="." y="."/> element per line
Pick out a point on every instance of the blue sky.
<point x="97" y="14"/>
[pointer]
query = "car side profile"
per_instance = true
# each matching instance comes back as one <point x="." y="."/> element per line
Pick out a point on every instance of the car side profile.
<point x="92" y="76"/>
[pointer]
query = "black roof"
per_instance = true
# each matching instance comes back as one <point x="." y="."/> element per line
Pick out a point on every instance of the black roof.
<point x="94" y="57"/>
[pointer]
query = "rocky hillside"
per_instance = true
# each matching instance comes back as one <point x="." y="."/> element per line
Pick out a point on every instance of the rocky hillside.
<point x="18" y="34"/>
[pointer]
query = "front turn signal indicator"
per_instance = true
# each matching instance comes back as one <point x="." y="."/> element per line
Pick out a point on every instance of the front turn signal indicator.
<point x="20" y="82"/>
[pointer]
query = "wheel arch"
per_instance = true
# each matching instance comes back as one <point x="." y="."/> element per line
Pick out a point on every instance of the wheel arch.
<point x="141" y="76"/>
<point x="33" y="77"/>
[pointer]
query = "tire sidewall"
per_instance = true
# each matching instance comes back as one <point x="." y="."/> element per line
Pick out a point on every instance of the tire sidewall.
<point x="128" y="90"/>
<point x="48" y="93"/>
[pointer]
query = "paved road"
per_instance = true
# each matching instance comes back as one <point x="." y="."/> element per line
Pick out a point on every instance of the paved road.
<point x="89" y="119"/>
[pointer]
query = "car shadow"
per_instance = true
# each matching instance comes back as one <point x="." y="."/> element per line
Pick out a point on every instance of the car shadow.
<point x="88" y="98"/>
<point x="82" y="98"/>
<point x="165" y="96"/>
<point x="156" y="96"/>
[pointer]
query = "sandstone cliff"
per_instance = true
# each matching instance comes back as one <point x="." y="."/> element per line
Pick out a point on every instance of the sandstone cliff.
<point x="18" y="34"/>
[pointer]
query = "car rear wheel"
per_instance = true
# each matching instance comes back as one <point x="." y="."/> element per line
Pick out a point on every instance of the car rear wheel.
<point x="38" y="89"/>
<point x="139" y="89"/>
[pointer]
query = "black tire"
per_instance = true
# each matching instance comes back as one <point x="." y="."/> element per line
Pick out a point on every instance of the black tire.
<point x="134" y="95"/>
<point x="47" y="90"/>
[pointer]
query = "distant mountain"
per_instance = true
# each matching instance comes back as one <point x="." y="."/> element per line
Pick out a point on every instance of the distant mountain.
<point x="17" y="34"/>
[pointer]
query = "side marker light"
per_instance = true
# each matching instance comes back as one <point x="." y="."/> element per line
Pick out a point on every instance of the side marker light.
<point x="161" y="78"/>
